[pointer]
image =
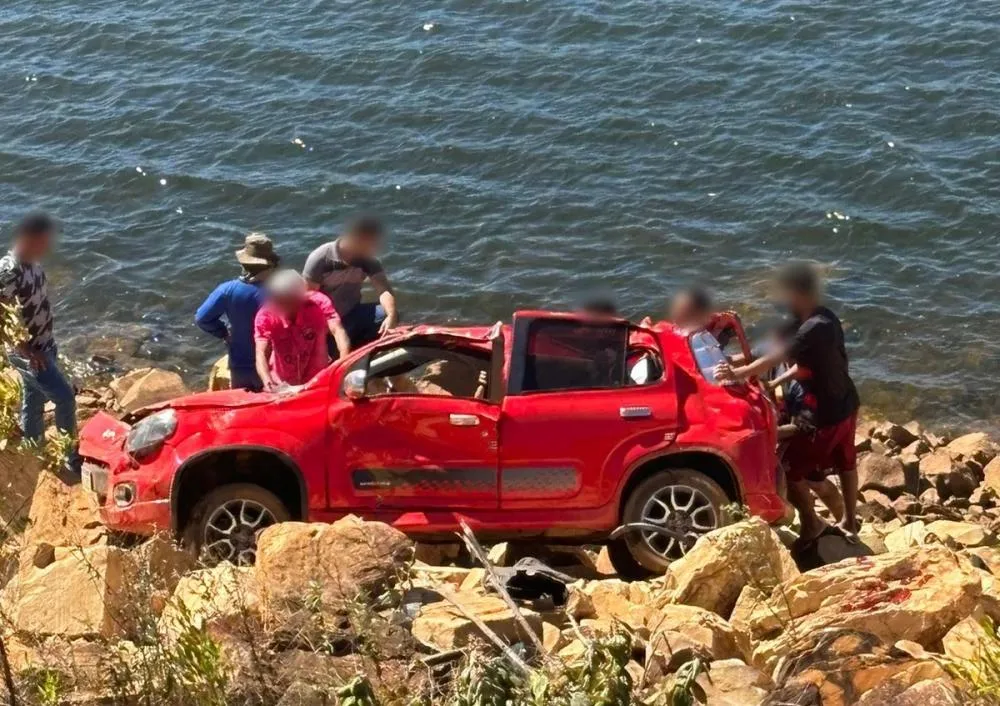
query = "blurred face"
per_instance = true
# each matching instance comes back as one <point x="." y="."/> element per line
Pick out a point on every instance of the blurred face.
<point x="795" y="301"/>
<point x="684" y="311"/>
<point x="363" y="244"/>
<point x="287" y="304"/>
<point x="34" y="247"/>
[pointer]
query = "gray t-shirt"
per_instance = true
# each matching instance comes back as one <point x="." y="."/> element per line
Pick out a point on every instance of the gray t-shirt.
<point x="23" y="283"/>
<point x="338" y="279"/>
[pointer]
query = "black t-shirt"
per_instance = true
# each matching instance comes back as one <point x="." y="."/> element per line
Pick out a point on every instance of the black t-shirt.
<point x="818" y="348"/>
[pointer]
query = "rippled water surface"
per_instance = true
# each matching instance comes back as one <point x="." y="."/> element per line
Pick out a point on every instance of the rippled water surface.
<point x="526" y="153"/>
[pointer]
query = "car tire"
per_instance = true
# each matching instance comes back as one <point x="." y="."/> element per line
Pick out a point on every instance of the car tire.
<point x="639" y="555"/>
<point x="244" y="509"/>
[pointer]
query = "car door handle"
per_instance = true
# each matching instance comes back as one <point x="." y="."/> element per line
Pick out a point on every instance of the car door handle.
<point x="635" y="412"/>
<point x="463" y="420"/>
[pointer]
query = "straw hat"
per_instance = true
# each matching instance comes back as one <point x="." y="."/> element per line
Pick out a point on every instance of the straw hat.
<point x="258" y="251"/>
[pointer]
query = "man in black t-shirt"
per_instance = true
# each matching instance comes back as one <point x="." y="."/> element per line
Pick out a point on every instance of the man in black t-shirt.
<point x="830" y="400"/>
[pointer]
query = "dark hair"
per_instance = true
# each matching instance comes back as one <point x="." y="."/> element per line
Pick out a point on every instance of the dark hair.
<point x="366" y="227"/>
<point x="700" y="297"/>
<point x="600" y="307"/>
<point x="799" y="277"/>
<point x="36" y="224"/>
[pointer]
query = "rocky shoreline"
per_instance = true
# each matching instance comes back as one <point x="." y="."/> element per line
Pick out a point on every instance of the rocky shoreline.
<point x="355" y="613"/>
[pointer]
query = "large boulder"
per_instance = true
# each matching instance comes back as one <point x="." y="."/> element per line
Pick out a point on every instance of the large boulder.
<point x="679" y="633"/>
<point x="444" y="625"/>
<point x="147" y="386"/>
<point x="959" y="535"/>
<point x="732" y="682"/>
<point x="837" y="667"/>
<point x="224" y="600"/>
<point x="915" y="595"/>
<point x="328" y="566"/>
<point x="219" y="377"/>
<point x="975" y="447"/>
<point x="712" y="574"/>
<point x="80" y="595"/>
<point x="886" y="474"/>
<point x="63" y="515"/>
<point x="612" y="600"/>
<point x="991" y="475"/>
<point x="949" y="477"/>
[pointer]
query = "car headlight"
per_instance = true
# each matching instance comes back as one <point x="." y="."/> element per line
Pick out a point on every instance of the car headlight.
<point x="148" y="435"/>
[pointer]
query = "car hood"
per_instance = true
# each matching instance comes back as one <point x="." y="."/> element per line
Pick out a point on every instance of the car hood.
<point x="221" y="399"/>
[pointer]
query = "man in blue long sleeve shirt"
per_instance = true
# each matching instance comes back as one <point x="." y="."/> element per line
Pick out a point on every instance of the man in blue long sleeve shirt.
<point x="237" y="301"/>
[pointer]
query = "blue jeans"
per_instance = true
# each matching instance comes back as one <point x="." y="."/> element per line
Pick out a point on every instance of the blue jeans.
<point x="362" y="324"/>
<point x="37" y="386"/>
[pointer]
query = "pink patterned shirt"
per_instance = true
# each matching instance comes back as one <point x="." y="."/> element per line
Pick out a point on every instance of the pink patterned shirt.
<point x="298" y="346"/>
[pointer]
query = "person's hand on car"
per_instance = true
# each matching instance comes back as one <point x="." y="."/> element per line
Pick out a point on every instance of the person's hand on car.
<point x="388" y="324"/>
<point x="724" y="372"/>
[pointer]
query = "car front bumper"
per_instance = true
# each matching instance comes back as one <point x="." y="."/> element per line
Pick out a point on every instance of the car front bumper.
<point x="106" y="464"/>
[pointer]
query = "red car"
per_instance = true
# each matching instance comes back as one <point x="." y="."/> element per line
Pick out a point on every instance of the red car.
<point x="557" y="428"/>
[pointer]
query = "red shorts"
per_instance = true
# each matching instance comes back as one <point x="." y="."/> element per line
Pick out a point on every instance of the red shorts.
<point x="827" y="450"/>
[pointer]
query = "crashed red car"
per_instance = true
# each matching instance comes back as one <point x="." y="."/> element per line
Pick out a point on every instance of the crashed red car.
<point x="556" y="428"/>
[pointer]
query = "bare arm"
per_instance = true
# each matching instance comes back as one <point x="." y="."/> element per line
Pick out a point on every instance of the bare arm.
<point x="340" y="337"/>
<point x="262" y="357"/>
<point x="784" y="377"/>
<point x="724" y="372"/>
<point x="387" y="299"/>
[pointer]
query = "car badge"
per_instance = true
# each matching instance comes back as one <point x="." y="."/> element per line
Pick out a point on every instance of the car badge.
<point x="108" y="435"/>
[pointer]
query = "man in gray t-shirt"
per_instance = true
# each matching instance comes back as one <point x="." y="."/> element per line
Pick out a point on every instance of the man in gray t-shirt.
<point x="340" y="268"/>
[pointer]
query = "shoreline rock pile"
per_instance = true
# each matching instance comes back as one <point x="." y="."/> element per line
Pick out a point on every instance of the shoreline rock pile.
<point x="355" y="607"/>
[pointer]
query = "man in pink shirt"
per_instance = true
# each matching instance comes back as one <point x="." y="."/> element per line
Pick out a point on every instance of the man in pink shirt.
<point x="290" y="332"/>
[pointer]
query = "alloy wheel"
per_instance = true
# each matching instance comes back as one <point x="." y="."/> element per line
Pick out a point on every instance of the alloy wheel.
<point x="680" y="508"/>
<point x="232" y="529"/>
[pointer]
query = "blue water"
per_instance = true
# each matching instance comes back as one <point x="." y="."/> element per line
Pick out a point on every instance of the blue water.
<point x="524" y="154"/>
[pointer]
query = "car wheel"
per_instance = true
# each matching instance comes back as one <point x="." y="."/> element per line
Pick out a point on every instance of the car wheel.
<point x="225" y="523"/>
<point x="682" y="500"/>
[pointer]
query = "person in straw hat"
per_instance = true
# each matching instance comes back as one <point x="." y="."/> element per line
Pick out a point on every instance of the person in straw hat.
<point x="229" y="311"/>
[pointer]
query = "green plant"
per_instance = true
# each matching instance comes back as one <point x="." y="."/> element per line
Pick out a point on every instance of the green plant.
<point x="981" y="673"/>
<point x="357" y="692"/>
<point x="486" y="681"/>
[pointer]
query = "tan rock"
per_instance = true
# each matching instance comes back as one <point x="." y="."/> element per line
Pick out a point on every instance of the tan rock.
<point x="712" y="574"/>
<point x="63" y="515"/>
<point x="940" y="691"/>
<point x="552" y="638"/>
<point x="328" y="564"/>
<point x="80" y="595"/>
<point x="992" y="475"/>
<point x="948" y="476"/>
<point x="884" y="473"/>
<point x="963" y="534"/>
<point x="19" y="472"/>
<point x="990" y="556"/>
<point x="966" y="640"/>
<point x="913" y="595"/>
<point x="424" y="576"/>
<point x="976" y="447"/>
<point x="444" y="626"/>
<point x="840" y="666"/>
<point x="732" y="682"/>
<point x="474" y="581"/>
<point x="611" y="600"/>
<point x="225" y="600"/>
<point x="679" y="633"/>
<point x="906" y="537"/>
<point x="603" y="564"/>
<point x="147" y="386"/>
<point x="436" y="554"/>
<point x="219" y="377"/>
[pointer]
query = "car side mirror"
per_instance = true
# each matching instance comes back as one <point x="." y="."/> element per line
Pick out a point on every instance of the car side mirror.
<point x="354" y="384"/>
